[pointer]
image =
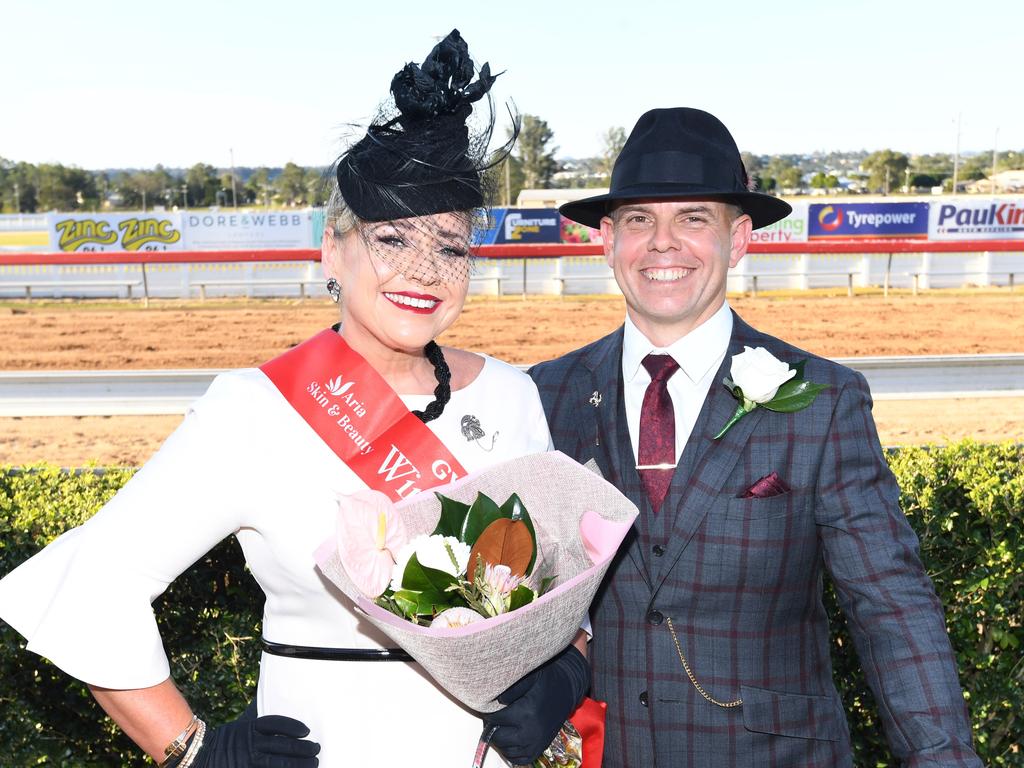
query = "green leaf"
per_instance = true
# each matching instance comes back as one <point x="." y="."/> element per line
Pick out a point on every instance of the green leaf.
<point x="794" y="396"/>
<point x="799" y="368"/>
<point x="545" y="584"/>
<point x="420" y="578"/>
<point x="520" y="596"/>
<point x="737" y="415"/>
<point x="427" y="603"/>
<point x="483" y="512"/>
<point x="514" y="509"/>
<point x="453" y="517"/>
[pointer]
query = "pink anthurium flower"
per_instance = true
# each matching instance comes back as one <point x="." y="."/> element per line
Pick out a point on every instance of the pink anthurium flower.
<point x="370" y="531"/>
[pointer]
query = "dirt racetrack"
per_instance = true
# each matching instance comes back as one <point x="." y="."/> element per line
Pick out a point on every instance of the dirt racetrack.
<point x="234" y="334"/>
<point x="89" y="335"/>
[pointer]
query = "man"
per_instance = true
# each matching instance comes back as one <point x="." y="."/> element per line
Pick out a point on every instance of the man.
<point x="711" y="644"/>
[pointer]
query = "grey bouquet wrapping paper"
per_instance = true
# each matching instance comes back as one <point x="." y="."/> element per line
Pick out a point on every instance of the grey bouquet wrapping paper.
<point x="580" y="521"/>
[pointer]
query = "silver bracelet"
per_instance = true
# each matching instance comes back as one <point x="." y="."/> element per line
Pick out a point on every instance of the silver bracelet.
<point x="194" y="747"/>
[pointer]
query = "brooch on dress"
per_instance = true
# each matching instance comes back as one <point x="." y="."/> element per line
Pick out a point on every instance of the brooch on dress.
<point x="474" y="433"/>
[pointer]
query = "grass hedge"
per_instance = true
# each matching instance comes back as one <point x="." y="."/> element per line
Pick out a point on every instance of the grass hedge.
<point x="966" y="502"/>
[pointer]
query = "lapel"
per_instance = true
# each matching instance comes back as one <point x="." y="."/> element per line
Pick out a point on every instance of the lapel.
<point x="706" y="463"/>
<point x="608" y="432"/>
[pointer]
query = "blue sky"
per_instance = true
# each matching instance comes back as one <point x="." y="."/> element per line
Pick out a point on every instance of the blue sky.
<point x="117" y="84"/>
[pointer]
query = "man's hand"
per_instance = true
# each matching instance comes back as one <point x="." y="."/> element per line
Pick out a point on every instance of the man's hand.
<point x="538" y="705"/>
<point x="271" y="741"/>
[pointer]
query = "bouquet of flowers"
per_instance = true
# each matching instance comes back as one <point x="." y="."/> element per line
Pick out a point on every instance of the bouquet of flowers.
<point x="481" y="592"/>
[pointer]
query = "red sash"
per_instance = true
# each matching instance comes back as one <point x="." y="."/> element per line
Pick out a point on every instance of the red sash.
<point x="350" y="406"/>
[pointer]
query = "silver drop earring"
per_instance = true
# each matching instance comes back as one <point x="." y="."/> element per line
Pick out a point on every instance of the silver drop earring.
<point x="334" y="288"/>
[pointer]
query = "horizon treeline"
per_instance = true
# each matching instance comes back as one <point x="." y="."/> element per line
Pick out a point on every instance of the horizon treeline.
<point x="30" y="188"/>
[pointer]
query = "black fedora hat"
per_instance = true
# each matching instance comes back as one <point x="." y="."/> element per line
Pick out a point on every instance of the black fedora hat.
<point x="679" y="153"/>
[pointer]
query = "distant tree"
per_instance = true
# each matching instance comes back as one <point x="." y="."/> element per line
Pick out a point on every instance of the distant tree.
<point x="765" y="183"/>
<point x="291" y="185"/>
<point x="752" y="163"/>
<point x="885" y="169"/>
<point x="65" y="189"/>
<point x="613" y="140"/>
<point x="316" y="190"/>
<point x="258" y="188"/>
<point x="923" y="180"/>
<point x="203" y="185"/>
<point x="504" y="181"/>
<point x="791" y="178"/>
<point x="535" y="153"/>
<point x="822" y="180"/>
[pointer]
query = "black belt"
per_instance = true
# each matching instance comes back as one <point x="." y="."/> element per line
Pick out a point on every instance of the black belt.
<point x="335" y="654"/>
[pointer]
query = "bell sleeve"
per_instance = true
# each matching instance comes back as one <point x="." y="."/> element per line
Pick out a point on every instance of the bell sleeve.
<point x="84" y="601"/>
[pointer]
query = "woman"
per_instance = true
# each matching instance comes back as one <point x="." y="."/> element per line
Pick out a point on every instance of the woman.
<point x="265" y="454"/>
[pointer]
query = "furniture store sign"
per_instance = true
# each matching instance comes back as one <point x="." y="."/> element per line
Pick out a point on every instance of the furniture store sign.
<point x="987" y="219"/>
<point x="99" y="232"/>
<point x="227" y="231"/>
<point x="521" y="225"/>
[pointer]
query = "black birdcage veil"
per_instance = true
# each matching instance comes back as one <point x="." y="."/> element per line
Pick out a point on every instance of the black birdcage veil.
<point x="422" y="156"/>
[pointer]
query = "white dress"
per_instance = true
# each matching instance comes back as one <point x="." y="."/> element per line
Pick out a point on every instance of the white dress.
<point x="243" y="462"/>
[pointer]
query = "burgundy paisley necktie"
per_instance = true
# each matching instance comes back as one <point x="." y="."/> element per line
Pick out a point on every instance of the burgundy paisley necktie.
<point x="657" y="443"/>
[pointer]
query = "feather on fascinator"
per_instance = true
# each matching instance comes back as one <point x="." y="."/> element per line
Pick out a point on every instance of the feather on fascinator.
<point x="419" y="156"/>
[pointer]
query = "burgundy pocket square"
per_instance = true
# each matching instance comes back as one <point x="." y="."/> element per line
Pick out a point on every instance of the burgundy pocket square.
<point x="768" y="486"/>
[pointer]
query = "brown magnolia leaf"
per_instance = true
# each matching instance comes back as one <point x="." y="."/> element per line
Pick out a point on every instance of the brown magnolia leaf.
<point x="503" y="542"/>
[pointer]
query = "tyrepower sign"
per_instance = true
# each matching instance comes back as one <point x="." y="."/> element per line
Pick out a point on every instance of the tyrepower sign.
<point x="114" y="231"/>
<point x="986" y="219"/>
<point x="853" y="220"/>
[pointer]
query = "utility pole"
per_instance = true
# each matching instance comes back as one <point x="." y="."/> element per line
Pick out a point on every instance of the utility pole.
<point x="508" y="181"/>
<point x="234" y="193"/>
<point x="995" y="143"/>
<point x="956" y="155"/>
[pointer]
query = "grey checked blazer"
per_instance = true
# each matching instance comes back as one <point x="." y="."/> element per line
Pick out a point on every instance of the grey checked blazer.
<point x="741" y="579"/>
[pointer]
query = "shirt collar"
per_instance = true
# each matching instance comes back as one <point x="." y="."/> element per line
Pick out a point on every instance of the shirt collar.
<point x="696" y="352"/>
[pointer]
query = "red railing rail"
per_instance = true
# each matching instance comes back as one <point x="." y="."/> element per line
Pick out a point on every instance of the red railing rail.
<point x="530" y="251"/>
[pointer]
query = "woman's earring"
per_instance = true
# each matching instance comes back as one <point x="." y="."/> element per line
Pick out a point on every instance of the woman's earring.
<point x="334" y="288"/>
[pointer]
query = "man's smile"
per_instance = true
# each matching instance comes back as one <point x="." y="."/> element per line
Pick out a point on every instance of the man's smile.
<point x="665" y="275"/>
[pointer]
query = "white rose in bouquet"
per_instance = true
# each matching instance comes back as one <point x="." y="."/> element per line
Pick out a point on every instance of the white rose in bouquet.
<point x="759" y="374"/>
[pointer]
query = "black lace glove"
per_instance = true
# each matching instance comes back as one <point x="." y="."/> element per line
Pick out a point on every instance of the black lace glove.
<point x="538" y="705"/>
<point x="271" y="741"/>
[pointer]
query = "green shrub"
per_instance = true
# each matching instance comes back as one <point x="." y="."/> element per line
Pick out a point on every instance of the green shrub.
<point x="209" y="619"/>
<point x="965" y="501"/>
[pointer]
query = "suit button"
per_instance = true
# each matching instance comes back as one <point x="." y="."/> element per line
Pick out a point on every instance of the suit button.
<point x="658" y="550"/>
<point x="643" y="698"/>
<point x="655" y="618"/>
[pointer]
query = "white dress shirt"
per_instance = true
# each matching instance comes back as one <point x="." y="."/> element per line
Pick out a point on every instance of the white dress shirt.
<point x="699" y="354"/>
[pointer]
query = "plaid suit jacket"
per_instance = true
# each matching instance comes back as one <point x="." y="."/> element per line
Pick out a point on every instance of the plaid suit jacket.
<point x="741" y="580"/>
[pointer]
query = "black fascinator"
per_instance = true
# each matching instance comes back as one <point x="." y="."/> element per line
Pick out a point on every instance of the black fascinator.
<point x="419" y="156"/>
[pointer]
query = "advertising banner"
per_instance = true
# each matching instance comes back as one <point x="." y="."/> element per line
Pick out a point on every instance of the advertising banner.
<point x="233" y="230"/>
<point x="792" y="229"/>
<point x="114" y="231"/>
<point x="984" y="219"/>
<point x="852" y="220"/>
<point x="521" y="225"/>
<point x="574" y="232"/>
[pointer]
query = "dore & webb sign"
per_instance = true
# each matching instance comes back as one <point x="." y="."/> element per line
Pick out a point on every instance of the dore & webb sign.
<point x="227" y="230"/>
<point x="98" y="232"/>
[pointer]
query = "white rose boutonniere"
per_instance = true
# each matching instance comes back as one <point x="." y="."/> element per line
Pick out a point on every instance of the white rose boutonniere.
<point x="758" y="378"/>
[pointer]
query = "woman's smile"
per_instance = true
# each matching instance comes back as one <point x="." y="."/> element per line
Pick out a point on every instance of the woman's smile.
<point x="419" y="303"/>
